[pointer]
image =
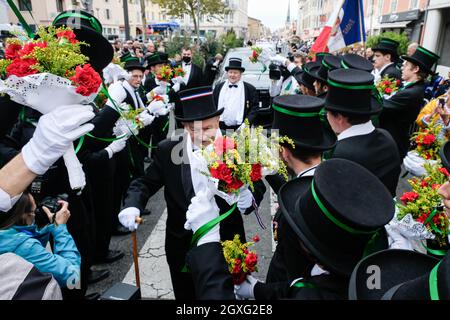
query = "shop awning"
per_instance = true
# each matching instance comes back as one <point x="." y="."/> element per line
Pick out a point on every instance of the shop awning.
<point x="395" y="25"/>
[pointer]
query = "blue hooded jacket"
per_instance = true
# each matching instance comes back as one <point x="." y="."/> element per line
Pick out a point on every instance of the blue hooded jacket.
<point x="29" y="243"/>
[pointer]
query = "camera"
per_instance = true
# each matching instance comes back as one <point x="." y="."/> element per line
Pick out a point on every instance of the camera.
<point x="41" y="218"/>
<point x="274" y="71"/>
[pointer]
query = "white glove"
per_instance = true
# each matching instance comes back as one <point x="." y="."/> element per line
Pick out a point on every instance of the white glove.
<point x="117" y="94"/>
<point x="127" y="218"/>
<point x="161" y="89"/>
<point x="203" y="208"/>
<point x="179" y="80"/>
<point x="396" y="239"/>
<point x="245" y="200"/>
<point x="246" y="289"/>
<point x="414" y="164"/>
<point x="54" y="135"/>
<point x="116" y="146"/>
<point x="216" y="64"/>
<point x="176" y="87"/>
<point x="158" y="108"/>
<point x="146" y="118"/>
<point x="279" y="59"/>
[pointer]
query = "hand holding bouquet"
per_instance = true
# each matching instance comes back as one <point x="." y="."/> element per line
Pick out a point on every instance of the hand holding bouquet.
<point x="240" y="260"/>
<point x="420" y="215"/>
<point x="50" y="66"/>
<point x="388" y="86"/>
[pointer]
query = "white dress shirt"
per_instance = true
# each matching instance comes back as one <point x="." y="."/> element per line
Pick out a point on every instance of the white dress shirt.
<point x="232" y="100"/>
<point x="377" y="73"/>
<point x="6" y="202"/>
<point x="358" y="130"/>
<point x="187" y="71"/>
<point x="134" y="94"/>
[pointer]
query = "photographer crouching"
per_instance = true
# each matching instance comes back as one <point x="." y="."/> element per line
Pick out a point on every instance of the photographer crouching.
<point x="26" y="229"/>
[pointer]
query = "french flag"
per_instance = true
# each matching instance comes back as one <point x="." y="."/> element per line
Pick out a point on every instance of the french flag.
<point x="344" y="27"/>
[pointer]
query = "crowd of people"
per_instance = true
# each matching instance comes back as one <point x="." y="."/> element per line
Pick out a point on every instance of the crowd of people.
<point x="345" y="161"/>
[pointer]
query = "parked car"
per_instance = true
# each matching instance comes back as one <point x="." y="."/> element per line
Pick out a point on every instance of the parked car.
<point x="256" y="76"/>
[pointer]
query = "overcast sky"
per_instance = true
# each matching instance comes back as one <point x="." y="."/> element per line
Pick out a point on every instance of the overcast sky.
<point x="272" y="13"/>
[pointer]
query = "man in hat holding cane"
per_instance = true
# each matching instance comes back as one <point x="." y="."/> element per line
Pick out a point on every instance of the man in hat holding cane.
<point x="175" y="168"/>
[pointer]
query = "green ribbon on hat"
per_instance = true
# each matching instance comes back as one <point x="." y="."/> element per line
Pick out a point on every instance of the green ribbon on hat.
<point x="294" y="113"/>
<point x="94" y="22"/>
<point x="371" y="87"/>
<point x="388" y="41"/>
<point x="334" y="219"/>
<point x="428" y="53"/>
<point x="344" y="65"/>
<point x="433" y="282"/>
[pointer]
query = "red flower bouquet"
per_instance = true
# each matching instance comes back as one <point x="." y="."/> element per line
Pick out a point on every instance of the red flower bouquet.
<point x="240" y="260"/>
<point x="427" y="142"/>
<point x="420" y="214"/>
<point x="243" y="159"/>
<point x="47" y="73"/>
<point x="165" y="74"/>
<point x="178" y="72"/>
<point x="256" y="52"/>
<point x="388" y="86"/>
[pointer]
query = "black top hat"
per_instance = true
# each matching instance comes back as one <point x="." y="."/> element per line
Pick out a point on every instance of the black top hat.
<point x="403" y="275"/>
<point x="423" y="58"/>
<point x="197" y="104"/>
<point x="157" y="58"/>
<point x="133" y="63"/>
<point x="387" y="45"/>
<point x="88" y="28"/>
<point x="329" y="63"/>
<point x="235" y="64"/>
<point x="352" y="91"/>
<point x="445" y="155"/>
<point x="298" y="117"/>
<point x="321" y="55"/>
<point x="305" y="78"/>
<point x="355" y="61"/>
<point x="337" y="222"/>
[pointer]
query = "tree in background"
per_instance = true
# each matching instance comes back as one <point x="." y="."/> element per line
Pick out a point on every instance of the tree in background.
<point x="402" y="38"/>
<point x="195" y="9"/>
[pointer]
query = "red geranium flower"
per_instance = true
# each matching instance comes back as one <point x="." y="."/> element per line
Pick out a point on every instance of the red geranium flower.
<point x="444" y="171"/>
<point x="424" y="184"/>
<point x="398" y="82"/>
<point x="256" y="173"/>
<point x="409" y="197"/>
<point x="256" y="238"/>
<point x="387" y="83"/>
<point x="235" y="185"/>
<point x="435" y="186"/>
<point x="29" y="48"/>
<point x="223" y="144"/>
<point x="21" y="68"/>
<point x="86" y="79"/>
<point x="68" y="34"/>
<point x="255" y="54"/>
<point x="388" y="90"/>
<point x="12" y="51"/>
<point x="429" y="139"/>
<point x="423" y="217"/>
<point x="250" y="261"/>
<point x="222" y="173"/>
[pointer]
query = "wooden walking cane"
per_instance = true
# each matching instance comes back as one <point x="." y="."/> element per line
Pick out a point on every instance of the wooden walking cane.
<point x="135" y="255"/>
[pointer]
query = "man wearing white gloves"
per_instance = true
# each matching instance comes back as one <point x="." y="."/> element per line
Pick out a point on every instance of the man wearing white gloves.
<point x="176" y="168"/>
<point x="54" y="134"/>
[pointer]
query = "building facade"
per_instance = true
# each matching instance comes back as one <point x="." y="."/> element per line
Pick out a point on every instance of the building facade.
<point x="109" y="12"/>
<point x="236" y="20"/>
<point x="437" y="32"/>
<point x="312" y="17"/>
<point x="256" y="29"/>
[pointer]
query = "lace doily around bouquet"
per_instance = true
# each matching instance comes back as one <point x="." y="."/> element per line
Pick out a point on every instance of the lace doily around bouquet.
<point x="43" y="91"/>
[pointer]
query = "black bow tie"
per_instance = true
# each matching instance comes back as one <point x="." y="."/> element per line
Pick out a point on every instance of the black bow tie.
<point x="233" y="85"/>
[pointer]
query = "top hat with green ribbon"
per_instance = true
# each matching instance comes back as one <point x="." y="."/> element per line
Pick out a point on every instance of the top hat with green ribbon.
<point x="299" y="118"/>
<point x="88" y="28"/>
<point x="339" y="217"/>
<point x="355" y="61"/>
<point x="305" y="78"/>
<point x="423" y="58"/>
<point x="402" y="275"/>
<point x="320" y="56"/>
<point x="157" y="58"/>
<point x="329" y="63"/>
<point x="386" y="45"/>
<point x="352" y="91"/>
